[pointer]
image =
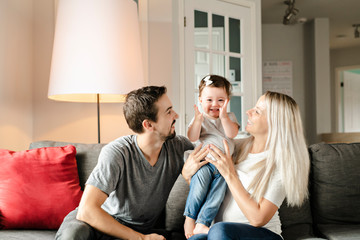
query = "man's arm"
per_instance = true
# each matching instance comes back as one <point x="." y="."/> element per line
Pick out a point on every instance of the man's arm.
<point x="90" y="211"/>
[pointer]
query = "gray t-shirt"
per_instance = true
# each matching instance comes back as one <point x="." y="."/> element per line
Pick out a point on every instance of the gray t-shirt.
<point x="137" y="191"/>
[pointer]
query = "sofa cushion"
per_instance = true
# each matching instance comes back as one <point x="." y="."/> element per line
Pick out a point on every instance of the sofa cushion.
<point x="28" y="234"/>
<point x="335" y="179"/>
<point x="86" y="156"/>
<point x="296" y="222"/>
<point x="38" y="187"/>
<point x="340" y="232"/>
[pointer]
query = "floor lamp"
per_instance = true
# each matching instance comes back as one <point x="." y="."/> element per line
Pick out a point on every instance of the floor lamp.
<point x="96" y="53"/>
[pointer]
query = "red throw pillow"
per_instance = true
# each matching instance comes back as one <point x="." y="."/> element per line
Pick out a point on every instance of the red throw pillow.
<point x="38" y="187"/>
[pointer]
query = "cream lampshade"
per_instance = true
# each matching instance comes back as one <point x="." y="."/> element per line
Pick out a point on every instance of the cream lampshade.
<point x="96" y="53"/>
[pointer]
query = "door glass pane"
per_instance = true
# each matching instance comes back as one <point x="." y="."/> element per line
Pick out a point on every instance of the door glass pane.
<point x="235" y="107"/>
<point x="234" y="35"/>
<point x="218" y="32"/>
<point x="202" y="67"/>
<point x="235" y="74"/>
<point x="201" y="34"/>
<point x="218" y="67"/>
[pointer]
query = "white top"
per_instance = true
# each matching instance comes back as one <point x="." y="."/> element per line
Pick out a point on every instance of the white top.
<point x="229" y="210"/>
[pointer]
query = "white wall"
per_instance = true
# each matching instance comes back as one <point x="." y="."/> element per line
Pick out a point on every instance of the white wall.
<point x="322" y="75"/>
<point x="306" y="45"/>
<point x="16" y="73"/>
<point x="160" y="43"/>
<point x="280" y="42"/>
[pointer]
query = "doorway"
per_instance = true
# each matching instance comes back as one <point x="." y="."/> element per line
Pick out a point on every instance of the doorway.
<point x="220" y="38"/>
<point x="348" y="99"/>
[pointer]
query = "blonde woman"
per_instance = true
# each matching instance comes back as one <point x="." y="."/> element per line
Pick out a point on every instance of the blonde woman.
<point x="271" y="164"/>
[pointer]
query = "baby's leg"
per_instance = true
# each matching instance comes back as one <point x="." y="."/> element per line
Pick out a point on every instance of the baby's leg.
<point x="212" y="203"/>
<point x="199" y="186"/>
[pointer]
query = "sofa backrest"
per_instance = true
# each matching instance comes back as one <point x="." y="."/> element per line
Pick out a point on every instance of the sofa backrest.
<point x="86" y="156"/>
<point x="335" y="183"/>
<point x="175" y="205"/>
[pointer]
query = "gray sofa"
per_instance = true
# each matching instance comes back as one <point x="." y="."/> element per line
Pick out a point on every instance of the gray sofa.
<point x="332" y="211"/>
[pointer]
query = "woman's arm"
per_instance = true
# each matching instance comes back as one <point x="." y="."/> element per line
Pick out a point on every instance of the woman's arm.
<point x="258" y="214"/>
<point x="231" y="128"/>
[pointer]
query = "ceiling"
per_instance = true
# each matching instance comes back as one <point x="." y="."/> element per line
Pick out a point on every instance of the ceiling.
<point x="342" y="14"/>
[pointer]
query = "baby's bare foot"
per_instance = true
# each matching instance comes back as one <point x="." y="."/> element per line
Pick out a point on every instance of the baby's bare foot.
<point x="189" y="226"/>
<point x="201" y="228"/>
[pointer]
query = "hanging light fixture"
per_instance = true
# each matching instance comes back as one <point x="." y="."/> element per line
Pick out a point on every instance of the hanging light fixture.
<point x="356" y="32"/>
<point x="290" y="12"/>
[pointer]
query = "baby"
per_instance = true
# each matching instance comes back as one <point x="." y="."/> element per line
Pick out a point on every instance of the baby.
<point x="207" y="186"/>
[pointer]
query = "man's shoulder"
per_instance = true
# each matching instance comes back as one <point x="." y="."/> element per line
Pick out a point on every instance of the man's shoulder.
<point x="123" y="139"/>
<point x="121" y="142"/>
<point x="180" y="140"/>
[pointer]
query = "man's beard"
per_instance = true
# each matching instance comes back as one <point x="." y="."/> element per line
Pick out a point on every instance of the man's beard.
<point x="170" y="135"/>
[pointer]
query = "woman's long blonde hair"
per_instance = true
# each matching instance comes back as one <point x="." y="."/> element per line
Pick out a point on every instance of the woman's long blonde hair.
<point x="286" y="147"/>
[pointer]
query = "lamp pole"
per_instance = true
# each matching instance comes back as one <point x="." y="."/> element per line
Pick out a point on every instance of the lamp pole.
<point x="98" y="114"/>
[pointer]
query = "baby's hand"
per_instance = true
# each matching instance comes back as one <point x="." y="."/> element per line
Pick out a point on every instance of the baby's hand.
<point x="223" y="110"/>
<point x="198" y="115"/>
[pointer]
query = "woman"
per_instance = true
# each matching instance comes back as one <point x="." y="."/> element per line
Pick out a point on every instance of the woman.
<point x="271" y="164"/>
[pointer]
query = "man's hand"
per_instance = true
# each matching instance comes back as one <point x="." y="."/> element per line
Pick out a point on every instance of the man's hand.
<point x="153" y="236"/>
<point x="194" y="162"/>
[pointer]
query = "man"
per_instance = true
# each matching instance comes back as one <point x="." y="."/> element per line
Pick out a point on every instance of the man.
<point x="129" y="186"/>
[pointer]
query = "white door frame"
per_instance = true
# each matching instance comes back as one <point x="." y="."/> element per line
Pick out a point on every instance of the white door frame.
<point x="255" y="9"/>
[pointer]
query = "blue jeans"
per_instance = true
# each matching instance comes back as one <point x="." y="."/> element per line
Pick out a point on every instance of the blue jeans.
<point x="236" y="231"/>
<point x="207" y="191"/>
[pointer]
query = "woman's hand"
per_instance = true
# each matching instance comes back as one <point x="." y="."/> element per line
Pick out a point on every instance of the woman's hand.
<point x="223" y="161"/>
<point x="194" y="162"/>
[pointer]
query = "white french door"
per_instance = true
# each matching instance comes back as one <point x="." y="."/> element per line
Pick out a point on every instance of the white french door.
<point x="220" y="39"/>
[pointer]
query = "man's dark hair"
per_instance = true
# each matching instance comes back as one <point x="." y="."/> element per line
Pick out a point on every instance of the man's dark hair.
<point x="140" y="105"/>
